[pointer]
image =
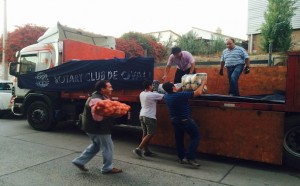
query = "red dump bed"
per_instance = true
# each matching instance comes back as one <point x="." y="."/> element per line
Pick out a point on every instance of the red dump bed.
<point x="75" y="50"/>
<point x="83" y="51"/>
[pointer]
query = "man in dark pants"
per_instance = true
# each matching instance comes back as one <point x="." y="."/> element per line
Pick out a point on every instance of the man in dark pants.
<point x="182" y="121"/>
<point x="184" y="61"/>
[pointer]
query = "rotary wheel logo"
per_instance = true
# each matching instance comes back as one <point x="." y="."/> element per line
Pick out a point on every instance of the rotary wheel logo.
<point x="42" y="79"/>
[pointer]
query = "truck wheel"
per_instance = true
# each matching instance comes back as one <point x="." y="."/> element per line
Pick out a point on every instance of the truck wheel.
<point x="39" y="116"/>
<point x="291" y="143"/>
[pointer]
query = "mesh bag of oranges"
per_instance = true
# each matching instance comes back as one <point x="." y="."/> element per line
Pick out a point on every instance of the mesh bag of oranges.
<point x="108" y="108"/>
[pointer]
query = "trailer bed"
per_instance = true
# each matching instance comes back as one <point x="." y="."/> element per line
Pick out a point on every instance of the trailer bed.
<point x="266" y="98"/>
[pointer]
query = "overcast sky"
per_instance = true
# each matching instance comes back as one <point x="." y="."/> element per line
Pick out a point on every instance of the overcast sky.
<point x="116" y="17"/>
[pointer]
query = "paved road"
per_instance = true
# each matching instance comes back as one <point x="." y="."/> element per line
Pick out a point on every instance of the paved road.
<point x="30" y="158"/>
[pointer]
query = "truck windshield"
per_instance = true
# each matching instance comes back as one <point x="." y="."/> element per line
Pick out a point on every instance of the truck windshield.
<point x="28" y="63"/>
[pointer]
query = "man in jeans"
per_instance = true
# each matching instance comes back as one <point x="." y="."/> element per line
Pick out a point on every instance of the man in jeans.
<point x="182" y="121"/>
<point x="98" y="128"/>
<point x="236" y="60"/>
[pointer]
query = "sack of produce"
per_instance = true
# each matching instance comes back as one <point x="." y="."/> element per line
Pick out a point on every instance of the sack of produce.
<point x="111" y="108"/>
<point x="191" y="82"/>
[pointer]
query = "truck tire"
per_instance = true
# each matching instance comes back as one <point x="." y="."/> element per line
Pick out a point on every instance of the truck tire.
<point x="39" y="116"/>
<point x="291" y="143"/>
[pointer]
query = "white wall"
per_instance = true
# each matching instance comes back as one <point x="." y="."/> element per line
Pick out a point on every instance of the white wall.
<point x="256" y="10"/>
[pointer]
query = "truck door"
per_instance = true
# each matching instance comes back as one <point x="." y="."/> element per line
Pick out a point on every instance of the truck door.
<point x="27" y="65"/>
<point x="33" y="62"/>
<point x="44" y="62"/>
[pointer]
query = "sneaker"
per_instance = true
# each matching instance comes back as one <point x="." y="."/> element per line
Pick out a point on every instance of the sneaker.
<point x="80" y="167"/>
<point x="149" y="153"/>
<point x="193" y="163"/>
<point x="183" y="161"/>
<point x="138" y="152"/>
<point x="113" y="171"/>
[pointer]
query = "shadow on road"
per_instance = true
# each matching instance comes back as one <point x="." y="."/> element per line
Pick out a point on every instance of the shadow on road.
<point x="10" y="116"/>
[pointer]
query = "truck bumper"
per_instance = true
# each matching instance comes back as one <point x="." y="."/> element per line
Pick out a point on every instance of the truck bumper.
<point x="16" y="109"/>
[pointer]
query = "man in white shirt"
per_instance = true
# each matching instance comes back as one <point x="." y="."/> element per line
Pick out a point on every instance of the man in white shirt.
<point x="148" y="100"/>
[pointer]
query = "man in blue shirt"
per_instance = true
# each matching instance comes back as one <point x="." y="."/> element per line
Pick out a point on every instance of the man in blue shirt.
<point x="236" y="60"/>
<point x="181" y="118"/>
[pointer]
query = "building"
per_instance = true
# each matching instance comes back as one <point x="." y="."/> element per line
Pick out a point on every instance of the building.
<point x="169" y="36"/>
<point x="208" y="35"/>
<point x="256" y="10"/>
<point x="165" y="37"/>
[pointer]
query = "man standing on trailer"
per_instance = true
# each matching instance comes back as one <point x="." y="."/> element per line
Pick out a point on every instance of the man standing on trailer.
<point x="236" y="60"/>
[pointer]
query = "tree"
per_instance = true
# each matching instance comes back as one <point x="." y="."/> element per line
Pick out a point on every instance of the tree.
<point x="167" y="44"/>
<point x="21" y="37"/>
<point x="217" y="44"/>
<point x="277" y="28"/>
<point x="138" y="44"/>
<point x="192" y="43"/>
<point x="131" y="47"/>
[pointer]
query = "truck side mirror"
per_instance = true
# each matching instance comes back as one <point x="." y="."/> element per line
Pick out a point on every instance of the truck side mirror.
<point x="17" y="54"/>
<point x="13" y="69"/>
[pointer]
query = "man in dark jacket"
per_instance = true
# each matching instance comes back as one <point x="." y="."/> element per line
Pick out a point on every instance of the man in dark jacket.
<point x="98" y="128"/>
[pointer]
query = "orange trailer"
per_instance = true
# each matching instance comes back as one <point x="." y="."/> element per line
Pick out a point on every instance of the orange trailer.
<point x="264" y="127"/>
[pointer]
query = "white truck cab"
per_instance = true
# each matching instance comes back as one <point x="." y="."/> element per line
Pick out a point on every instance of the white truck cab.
<point x="60" y="44"/>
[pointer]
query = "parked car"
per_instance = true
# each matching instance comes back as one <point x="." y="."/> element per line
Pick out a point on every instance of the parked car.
<point x="5" y="96"/>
